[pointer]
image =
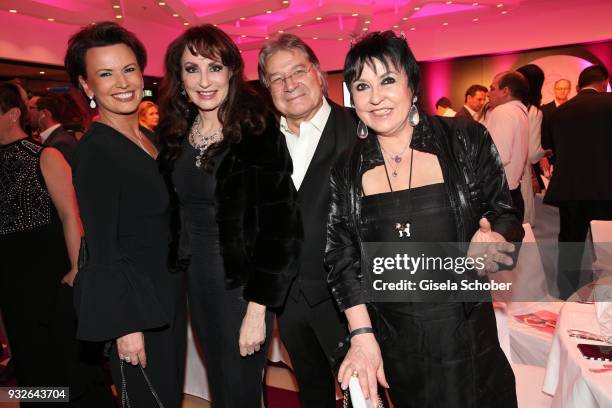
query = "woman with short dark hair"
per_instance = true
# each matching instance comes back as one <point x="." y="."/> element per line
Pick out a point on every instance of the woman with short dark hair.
<point x="417" y="179"/>
<point x="124" y="292"/>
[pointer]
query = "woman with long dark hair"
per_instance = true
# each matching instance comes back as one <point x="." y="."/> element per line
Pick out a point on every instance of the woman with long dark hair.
<point x="125" y="294"/>
<point x="232" y="175"/>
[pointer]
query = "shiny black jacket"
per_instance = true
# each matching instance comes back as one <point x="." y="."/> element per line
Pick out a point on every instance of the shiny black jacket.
<point x="475" y="182"/>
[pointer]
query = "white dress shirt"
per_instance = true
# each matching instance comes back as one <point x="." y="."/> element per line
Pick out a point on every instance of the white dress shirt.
<point x="44" y="135"/>
<point x="449" y="112"/>
<point x="509" y="127"/>
<point x="302" y="147"/>
<point x="472" y="112"/>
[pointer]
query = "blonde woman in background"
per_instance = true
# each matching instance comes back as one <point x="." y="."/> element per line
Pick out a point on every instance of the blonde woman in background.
<point x="148" y="115"/>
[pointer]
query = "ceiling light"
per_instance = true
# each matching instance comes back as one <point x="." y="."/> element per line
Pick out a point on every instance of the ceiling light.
<point x="396" y="26"/>
<point x="340" y="39"/>
<point x="162" y="3"/>
<point x="51" y="19"/>
<point x="449" y="2"/>
<point x="444" y="24"/>
<point x="367" y="22"/>
<point x="42" y="72"/>
<point x="12" y="11"/>
<point x="175" y="15"/>
<point x="474" y="19"/>
<point x="474" y="4"/>
<point x="365" y="28"/>
<point x="500" y="5"/>
<point x="118" y="16"/>
<point x="268" y="11"/>
<point x="404" y="18"/>
<point x="315" y="38"/>
<point x="281" y="31"/>
<point x="504" y="12"/>
<point x="417" y="8"/>
<point x="243" y="36"/>
<point x="116" y="6"/>
<point x="412" y="28"/>
<point x="318" y="18"/>
<point x="185" y="23"/>
<point x="298" y="25"/>
<point x="154" y="83"/>
<point x="355" y="14"/>
<point x="285" y="1"/>
<point x="242" y="18"/>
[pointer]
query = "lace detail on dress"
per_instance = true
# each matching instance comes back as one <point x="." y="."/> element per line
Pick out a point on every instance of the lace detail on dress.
<point x="24" y="200"/>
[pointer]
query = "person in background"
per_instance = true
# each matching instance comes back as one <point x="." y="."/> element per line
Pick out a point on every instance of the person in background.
<point x="315" y="131"/>
<point x="148" y="115"/>
<point x="125" y="294"/>
<point x="47" y="113"/>
<point x="561" y="90"/>
<point x="535" y="78"/>
<point x="579" y="132"/>
<point x="508" y="125"/>
<point x="40" y="232"/>
<point x="475" y="98"/>
<point x="444" y="178"/>
<point x="232" y="176"/>
<point x="443" y="107"/>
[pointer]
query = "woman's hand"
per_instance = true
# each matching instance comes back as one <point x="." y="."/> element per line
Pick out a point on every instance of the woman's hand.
<point x="490" y="246"/>
<point x="131" y="349"/>
<point x="253" y="329"/>
<point x="364" y="358"/>
<point x="68" y="278"/>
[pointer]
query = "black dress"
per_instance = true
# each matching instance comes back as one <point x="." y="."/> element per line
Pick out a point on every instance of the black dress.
<point x="35" y="305"/>
<point x="216" y="313"/>
<point x="124" y="284"/>
<point x="434" y="354"/>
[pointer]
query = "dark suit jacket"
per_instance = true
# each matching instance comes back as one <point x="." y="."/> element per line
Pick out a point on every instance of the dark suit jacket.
<point x="547" y="111"/>
<point x="63" y="141"/>
<point x="580" y="132"/>
<point x="464" y="113"/>
<point x="313" y="198"/>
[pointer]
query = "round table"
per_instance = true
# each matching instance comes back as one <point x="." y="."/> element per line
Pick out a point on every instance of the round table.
<point x="568" y="378"/>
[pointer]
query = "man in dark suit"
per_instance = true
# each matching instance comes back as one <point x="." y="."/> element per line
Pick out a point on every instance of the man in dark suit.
<point x="316" y="131"/>
<point x="580" y="133"/>
<point x="47" y="113"/>
<point x="475" y="98"/>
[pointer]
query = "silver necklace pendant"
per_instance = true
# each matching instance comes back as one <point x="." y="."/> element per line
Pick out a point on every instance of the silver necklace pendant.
<point x="403" y="229"/>
<point x="394" y="174"/>
<point x="397" y="159"/>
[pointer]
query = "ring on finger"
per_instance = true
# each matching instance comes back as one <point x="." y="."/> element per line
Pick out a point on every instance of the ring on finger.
<point x="127" y="359"/>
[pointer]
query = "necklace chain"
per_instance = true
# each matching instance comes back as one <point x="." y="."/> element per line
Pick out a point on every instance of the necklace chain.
<point x="203" y="142"/>
<point x="395" y="159"/>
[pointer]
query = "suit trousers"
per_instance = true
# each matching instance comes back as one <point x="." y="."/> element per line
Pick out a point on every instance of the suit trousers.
<point x="575" y="218"/>
<point x="313" y="336"/>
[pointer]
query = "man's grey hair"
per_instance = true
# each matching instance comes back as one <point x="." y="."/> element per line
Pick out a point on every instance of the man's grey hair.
<point x="287" y="42"/>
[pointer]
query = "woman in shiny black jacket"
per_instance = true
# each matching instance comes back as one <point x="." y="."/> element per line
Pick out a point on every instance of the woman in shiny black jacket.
<point x="441" y="177"/>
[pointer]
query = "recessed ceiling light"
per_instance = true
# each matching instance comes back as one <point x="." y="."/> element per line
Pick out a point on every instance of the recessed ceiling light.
<point x="365" y="28"/>
<point x="175" y="15"/>
<point x="474" y="4"/>
<point x="404" y="18"/>
<point x="340" y="39"/>
<point x="243" y="18"/>
<point x="185" y="23"/>
<point x="449" y="2"/>
<point x="396" y="26"/>
<point x="417" y="8"/>
<point x="243" y="36"/>
<point x="154" y="83"/>
<point x="298" y="25"/>
<point x="504" y="12"/>
<point x="412" y="28"/>
<point x="315" y="38"/>
<point x="367" y="22"/>
<point x="267" y="37"/>
<point x="281" y="31"/>
<point x="268" y="11"/>
<point x="42" y="72"/>
<point x="51" y="19"/>
<point x="116" y="6"/>
<point x="500" y="5"/>
<point x="474" y="19"/>
<point x="285" y="1"/>
<point x="12" y="11"/>
<point x="355" y="14"/>
<point x="118" y="16"/>
<point x="444" y="24"/>
<point x="318" y="18"/>
<point x="162" y="3"/>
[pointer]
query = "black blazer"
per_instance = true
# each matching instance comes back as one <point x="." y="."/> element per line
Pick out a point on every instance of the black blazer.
<point x="313" y="197"/>
<point x="580" y="133"/>
<point x="63" y="141"/>
<point x="464" y="113"/>
<point x="260" y="230"/>
<point x="547" y="111"/>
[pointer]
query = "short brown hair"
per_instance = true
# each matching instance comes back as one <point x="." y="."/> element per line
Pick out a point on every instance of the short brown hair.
<point x="11" y="98"/>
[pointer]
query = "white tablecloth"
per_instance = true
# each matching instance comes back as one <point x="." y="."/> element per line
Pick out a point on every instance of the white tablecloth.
<point x="568" y="377"/>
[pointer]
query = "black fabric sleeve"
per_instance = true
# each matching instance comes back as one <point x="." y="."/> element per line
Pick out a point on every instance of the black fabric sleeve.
<point x="111" y="298"/>
<point x="342" y="253"/>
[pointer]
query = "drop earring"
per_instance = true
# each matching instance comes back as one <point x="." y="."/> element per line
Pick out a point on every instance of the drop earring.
<point x="92" y="103"/>
<point x="362" y="130"/>
<point x="413" y="114"/>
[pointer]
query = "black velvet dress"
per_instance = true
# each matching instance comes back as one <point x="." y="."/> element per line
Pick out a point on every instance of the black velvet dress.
<point x="124" y="284"/>
<point x="436" y="355"/>
<point x="216" y="313"/>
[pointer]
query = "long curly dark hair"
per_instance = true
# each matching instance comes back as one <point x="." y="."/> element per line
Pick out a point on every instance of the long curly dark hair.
<point x="240" y="111"/>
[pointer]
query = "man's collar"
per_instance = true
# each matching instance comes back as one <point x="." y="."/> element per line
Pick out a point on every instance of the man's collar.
<point x="586" y="88"/>
<point x="472" y="112"/>
<point x="318" y="120"/>
<point x="44" y="135"/>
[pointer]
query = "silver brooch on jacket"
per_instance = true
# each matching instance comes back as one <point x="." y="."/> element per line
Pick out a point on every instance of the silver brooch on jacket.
<point x="202" y="142"/>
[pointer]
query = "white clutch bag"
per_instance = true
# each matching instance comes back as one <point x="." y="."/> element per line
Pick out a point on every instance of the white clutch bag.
<point x="357" y="400"/>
